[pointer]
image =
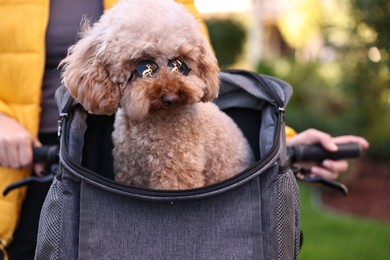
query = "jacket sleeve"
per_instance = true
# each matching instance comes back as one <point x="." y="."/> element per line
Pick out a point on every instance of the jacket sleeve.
<point x="21" y="70"/>
<point x="10" y="205"/>
<point x="5" y="109"/>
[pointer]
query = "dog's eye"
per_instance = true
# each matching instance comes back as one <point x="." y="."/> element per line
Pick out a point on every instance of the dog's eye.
<point x="146" y="69"/>
<point x="179" y="66"/>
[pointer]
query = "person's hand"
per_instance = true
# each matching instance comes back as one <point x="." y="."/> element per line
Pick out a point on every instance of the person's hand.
<point x="327" y="169"/>
<point x="15" y="144"/>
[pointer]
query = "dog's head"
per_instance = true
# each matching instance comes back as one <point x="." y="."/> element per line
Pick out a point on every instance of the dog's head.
<point x="143" y="56"/>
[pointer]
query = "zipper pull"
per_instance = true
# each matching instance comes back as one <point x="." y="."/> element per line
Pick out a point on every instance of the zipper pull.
<point x="60" y="122"/>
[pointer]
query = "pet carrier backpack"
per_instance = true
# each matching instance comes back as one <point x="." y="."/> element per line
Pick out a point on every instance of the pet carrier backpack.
<point x="254" y="215"/>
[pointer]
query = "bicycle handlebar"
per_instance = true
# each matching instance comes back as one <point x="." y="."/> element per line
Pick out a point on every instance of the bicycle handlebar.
<point x="315" y="152"/>
<point x="298" y="153"/>
<point x="46" y="154"/>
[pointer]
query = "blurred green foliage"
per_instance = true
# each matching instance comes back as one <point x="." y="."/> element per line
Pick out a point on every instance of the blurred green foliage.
<point x="346" y="89"/>
<point x="316" y="102"/>
<point x="227" y="37"/>
<point x="350" y="92"/>
<point x="366" y="68"/>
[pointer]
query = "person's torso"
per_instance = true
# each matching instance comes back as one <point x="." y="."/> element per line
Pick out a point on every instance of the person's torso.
<point x="62" y="31"/>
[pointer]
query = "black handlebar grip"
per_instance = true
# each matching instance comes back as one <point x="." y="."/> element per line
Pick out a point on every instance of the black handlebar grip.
<point x="45" y="154"/>
<point x="315" y="152"/>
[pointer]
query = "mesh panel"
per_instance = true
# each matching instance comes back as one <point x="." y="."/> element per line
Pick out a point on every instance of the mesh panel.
<point x="297" y="218"/>
<point x="287" y="218"/>
<point x="49" y="224"/>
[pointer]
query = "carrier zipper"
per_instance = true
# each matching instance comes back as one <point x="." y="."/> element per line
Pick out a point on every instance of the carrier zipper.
<point x="60" y="122"/>
<point x="170" y="195"/>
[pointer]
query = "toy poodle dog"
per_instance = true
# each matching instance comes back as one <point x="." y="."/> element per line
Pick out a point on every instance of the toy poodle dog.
<point x="148" y="62"/>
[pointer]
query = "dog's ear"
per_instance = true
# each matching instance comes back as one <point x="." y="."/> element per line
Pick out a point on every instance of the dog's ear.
<point x="87" y="76"/>
<point x="209" y="72"/>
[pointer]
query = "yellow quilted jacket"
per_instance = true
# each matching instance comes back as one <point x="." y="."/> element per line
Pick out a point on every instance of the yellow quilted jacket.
<point x="22" y="60"/>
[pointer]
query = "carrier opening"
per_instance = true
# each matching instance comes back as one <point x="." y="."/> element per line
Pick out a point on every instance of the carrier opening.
<point x="97" y="150"/>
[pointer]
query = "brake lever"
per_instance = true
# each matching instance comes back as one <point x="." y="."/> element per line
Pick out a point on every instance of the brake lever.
<point x="27" y="181"/>
<point x="301" y="174"/>
<point x="47" y="177"/>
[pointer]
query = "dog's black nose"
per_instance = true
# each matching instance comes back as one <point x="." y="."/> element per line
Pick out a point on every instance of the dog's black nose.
<point x="169" y="99"/>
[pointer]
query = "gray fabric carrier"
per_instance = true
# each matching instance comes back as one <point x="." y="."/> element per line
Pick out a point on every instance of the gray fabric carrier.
<point x="254" y="215"/>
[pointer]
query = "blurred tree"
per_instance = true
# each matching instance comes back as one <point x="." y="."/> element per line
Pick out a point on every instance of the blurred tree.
<point x="300" y="20"/>
<point x="227" y="37"/>
<point x="346" y="87"/>
<point x="366" y="65"/>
